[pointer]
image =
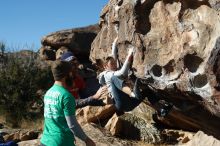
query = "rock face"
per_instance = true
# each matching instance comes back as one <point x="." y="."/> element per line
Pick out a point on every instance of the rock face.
<point x="19" y="134"/>
<point x="139" y="121"/>
<point x="177" y="54"/>
<point x="136" y="124"/>
<point x="77" y="40"/>
<point x="202" y="139"/>
<point x="35" y="142"/>
<point x="133" y="127"/>
<point x="101" y="137"/>
<point x="94" y="113"/>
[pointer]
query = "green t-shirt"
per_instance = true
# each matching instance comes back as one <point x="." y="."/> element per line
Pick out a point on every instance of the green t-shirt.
<point x="58" y="103"/>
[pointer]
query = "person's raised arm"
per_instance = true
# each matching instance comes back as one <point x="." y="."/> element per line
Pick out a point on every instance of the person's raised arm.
<point x="114" y="49"/>
<point x="114" y="53"/>
<point x="125" y="68"/>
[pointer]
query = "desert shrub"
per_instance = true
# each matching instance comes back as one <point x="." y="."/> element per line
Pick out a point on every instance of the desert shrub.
<point x="21" y="77"/>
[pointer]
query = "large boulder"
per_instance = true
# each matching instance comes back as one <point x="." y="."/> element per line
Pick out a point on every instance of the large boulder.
<point x="101" y="137"/>
<point x="35" y="142"/>
<point x="136" y="124"/>
<point x="177" y="54"/>
<point x="19" y="134"/>
<point x="94" y="113"/>
<point x="77" y="40"/>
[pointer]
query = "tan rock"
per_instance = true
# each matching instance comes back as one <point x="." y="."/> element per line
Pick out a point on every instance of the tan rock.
<point x="14" y="136"/>
<point x="114" y="125"/>
<point x="47" y="53"/>
<point x="138" y="121"/>
<point x="176" y="137"/>
<point x="76" y="40"/>
<point x="21" y="135"/>
<point x="215" y="4"/>
<point x="177" y="50"/>
<point x="102" y="137"/>
<point x="202" y="139"/>
<point x="94" y="114"/>
<point x="35" y="142"/>
<point x="29" y="135"/>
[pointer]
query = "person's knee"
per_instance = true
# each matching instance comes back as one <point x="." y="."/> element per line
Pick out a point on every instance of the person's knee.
<point x="116" y="82"/>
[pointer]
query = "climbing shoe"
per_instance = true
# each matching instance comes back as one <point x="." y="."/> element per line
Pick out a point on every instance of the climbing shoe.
<point x="137" y="90"/>
<point x="164" y="111"/>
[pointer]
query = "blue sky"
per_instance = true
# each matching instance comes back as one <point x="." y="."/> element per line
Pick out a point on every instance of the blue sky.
<point x="25" y="22"/>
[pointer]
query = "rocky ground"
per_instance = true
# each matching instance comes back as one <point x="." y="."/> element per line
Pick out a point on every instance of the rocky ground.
<point x="135" y="128"/>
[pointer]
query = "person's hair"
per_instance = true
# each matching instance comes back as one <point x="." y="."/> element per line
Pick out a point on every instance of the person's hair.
<point x="99" y="65"/>
<point x="109" y="58"/>
<point x="60" y="69"/>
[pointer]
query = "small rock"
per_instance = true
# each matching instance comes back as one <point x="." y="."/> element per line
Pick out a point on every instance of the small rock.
<point x="202" y="139"/>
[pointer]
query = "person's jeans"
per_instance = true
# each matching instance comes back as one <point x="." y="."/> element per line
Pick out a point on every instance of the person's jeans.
<point x="123" y="102"/>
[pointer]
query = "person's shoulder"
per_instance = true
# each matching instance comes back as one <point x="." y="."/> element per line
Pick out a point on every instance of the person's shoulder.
<point x="101" y="75"/>
<point x="107" y="72"/>
<point x="67" y="94"/>
<point x="63" y="91"/>
<point x="103" y="72"/>
<point x="59" y="88"/>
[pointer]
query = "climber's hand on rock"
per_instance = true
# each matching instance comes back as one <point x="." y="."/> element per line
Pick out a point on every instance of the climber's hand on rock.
<point x="131" y="51"/>
<point x="116" y="39"/>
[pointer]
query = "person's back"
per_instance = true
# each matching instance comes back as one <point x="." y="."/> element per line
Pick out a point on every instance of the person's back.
<point x="57" y="102"/>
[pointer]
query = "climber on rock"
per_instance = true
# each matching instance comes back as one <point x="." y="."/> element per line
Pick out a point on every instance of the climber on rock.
<point x="123" y="97"/>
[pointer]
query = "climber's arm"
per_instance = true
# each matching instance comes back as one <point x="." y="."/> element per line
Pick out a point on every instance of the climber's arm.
<point x="114" y="49"/>
<point x="125" y="68"/>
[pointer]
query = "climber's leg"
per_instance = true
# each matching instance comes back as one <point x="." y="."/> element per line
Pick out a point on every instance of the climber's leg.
<point x="122" y="100"/>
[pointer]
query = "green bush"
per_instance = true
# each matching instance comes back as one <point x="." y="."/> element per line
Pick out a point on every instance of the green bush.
<point x="21" y="76"/>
